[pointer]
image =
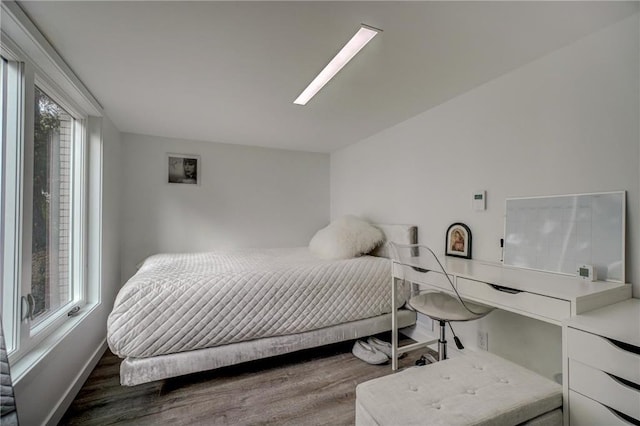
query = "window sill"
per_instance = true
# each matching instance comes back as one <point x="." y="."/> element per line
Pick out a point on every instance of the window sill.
<point x="30" y="361"/>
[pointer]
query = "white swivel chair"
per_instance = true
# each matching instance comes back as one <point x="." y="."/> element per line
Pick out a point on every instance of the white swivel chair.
<point x="440" y="306"/>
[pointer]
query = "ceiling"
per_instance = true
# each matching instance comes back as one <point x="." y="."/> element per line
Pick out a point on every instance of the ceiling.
<point x="229" y="71"/>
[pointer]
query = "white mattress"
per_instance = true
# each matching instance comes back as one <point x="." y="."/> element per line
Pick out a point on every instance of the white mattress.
<point x="182" y="302"/>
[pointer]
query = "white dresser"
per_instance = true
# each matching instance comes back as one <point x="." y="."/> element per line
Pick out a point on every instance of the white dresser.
<point x="602" y="366"/>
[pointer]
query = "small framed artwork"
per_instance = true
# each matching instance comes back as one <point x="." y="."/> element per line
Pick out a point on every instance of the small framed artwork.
<point x="458" y="242"/>
<point x="183" y="168"/>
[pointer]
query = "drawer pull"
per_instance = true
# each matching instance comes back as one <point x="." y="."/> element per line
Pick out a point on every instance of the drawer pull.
<point x="625" y="346"/>
<point x="624" y="382"/>
<point x="421" y="270"/>
<point x="623" y="416"/>
<point x="505" y="289"/>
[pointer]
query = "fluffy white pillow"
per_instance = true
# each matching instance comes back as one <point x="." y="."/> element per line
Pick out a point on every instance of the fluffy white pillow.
<point x="345" y="238"/>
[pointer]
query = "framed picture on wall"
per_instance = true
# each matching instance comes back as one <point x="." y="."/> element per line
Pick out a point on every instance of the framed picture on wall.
<point x="183" y="169"/>
<point x="458" y="241"/>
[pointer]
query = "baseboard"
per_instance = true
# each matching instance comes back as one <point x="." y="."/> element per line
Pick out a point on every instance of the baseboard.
<point x="67" y="398"/>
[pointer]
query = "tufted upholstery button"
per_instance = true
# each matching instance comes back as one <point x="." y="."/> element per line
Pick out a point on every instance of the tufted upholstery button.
<point x="446" y="377"/>
<point x="503" y="380"/>
<point x="413" y="388"/>
<point x="436" y="405"/>
<point x="471" y="392"/>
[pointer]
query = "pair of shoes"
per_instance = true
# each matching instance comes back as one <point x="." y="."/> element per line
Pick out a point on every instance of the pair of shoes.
<point x="426" y="359"/>
<point x="382" y="346"/>
<point x="373" y="351"/>
<point x="369" y="354"/>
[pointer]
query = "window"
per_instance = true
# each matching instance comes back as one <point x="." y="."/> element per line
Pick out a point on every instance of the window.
<point x="51" y="235"/>
<point x="42" y="206"/>
<point x="50" y="194"/>
<point x="10" y="201"/>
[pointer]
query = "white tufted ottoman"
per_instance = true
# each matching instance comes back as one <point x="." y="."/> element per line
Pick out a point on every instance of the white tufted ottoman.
<point x="475" y="389"/>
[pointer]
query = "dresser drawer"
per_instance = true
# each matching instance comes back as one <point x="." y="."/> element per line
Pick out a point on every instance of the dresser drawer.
<point x="425" y="279"/>
<point x="604" y="388"/>
<point x="584" y="411"/>
<point x="542" y="306"/>
<point x="602" y="354"/>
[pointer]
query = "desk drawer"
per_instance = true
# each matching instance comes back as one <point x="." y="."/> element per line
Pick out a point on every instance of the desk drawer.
<point x="604" y="388"/>
<point x="584" y="411"/>
<point x="602" y="354"/>
<point x="428" y="278"/>
<point x="541" y="306"/>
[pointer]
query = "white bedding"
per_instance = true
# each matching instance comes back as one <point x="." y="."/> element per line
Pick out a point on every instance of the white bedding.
<point x="182" y="302"/>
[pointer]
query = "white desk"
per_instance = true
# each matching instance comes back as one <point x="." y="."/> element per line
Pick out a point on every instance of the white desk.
<point x="541" y="295"/>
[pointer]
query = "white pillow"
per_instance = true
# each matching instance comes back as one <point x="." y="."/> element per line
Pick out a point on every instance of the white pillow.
<point x="345" y="238"/>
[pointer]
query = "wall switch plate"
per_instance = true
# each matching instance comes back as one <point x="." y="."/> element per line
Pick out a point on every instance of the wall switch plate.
<point x="480" y="200"/>
<point x="483" y="340"/>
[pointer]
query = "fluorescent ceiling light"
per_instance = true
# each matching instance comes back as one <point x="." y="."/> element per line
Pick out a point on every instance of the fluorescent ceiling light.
<point x="357" y="42"/>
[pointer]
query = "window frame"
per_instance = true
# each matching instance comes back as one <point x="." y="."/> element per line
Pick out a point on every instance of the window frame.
<point x="12" y="197"/>
<point x="22" y="337"/>
<point x="78" y="247"/>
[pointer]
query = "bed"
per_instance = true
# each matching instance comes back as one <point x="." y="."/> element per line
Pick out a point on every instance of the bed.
<point x="186" y="313"/>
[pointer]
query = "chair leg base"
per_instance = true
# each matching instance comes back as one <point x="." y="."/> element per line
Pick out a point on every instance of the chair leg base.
<point x="442" y="350"/>
<point x="442" y="342"/>
<point x="442" y="347"/>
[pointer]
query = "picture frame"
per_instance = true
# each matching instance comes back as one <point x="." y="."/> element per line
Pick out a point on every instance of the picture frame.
<point x="183" y="169"/>
<point x="458" y="241"/>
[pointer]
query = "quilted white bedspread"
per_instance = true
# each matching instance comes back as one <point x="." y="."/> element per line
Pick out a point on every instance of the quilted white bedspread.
<point x="181" y="302"/>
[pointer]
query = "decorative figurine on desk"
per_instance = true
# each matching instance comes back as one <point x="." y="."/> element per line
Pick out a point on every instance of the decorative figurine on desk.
<point x="458" y="241"/>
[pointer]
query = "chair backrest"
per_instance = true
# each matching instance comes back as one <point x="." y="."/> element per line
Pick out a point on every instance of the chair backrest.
<point x="415" y="250"/>
<point x="399" y="234"/>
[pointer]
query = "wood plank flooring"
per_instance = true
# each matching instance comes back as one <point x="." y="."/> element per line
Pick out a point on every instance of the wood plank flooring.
<point x="311" y="387"/>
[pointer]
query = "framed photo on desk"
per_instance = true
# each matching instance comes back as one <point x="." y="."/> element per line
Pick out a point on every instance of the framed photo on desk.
<point x="458" y="241"/>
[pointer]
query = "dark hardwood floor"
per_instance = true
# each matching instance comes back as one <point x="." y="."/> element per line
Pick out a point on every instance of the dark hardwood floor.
<point x="311" y="387"/>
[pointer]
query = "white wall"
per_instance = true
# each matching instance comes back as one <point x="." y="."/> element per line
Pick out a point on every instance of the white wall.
<point x="566" y="123"/>
<point x="45" y="392"/>
<point x="247" y="197"/>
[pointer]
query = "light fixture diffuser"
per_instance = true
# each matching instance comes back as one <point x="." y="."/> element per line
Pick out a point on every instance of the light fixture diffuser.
<point x="357" y="42"/>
